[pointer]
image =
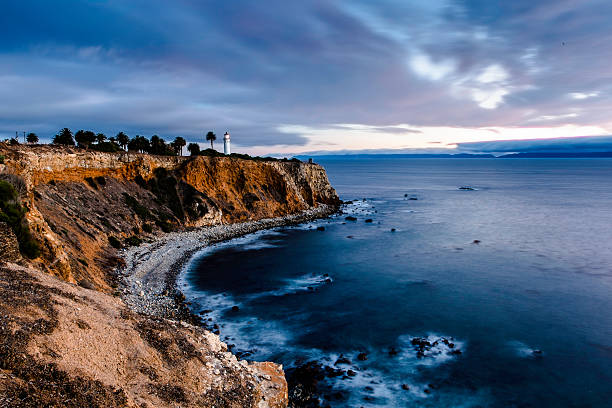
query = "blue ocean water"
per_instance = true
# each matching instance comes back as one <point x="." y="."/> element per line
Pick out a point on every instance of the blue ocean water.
<point x="529" y="307"/>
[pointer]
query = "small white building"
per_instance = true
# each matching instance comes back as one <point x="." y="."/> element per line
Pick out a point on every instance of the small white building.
<point x="226" y="143"/>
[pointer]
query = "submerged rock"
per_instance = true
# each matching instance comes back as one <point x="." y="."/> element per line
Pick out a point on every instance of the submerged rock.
<point x="342" y="360"/>
<point x="369" y="220"/>
<point x="351" y="218"/>
<point x="306" y="384"/>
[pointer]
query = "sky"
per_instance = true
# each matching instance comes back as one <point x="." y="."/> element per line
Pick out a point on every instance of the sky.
<point x="288" y="77"/>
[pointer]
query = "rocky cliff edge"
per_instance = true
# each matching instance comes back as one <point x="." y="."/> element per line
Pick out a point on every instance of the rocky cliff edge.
<point x="66" y="339"/>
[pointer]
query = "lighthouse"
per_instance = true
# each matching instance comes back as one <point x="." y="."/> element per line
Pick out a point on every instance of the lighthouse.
<point x="226" y="143"/>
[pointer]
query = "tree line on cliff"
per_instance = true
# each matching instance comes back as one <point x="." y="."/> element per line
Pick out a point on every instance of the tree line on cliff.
<point x="88" y="139"/>
<point x="156" y="145"/>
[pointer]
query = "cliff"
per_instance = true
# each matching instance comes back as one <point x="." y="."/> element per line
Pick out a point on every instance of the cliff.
<point x="81" y="342"/>
<point x="82" y="203"/>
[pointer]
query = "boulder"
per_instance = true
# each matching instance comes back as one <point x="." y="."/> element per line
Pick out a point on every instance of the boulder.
<point x="87" y="284"/>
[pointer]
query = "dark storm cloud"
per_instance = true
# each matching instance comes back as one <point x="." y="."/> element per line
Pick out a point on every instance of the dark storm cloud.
<point x="186" y="66"/>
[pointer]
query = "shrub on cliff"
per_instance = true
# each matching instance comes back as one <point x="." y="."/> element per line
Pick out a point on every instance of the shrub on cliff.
<point x="142" y="211"/>
<point x="164" y="186"/>
<point x="13" y="214"/>
<point x="114" y="242"/>
<point x="133" y="241"/>
<point x="265" y="159"/>
<point x="211" y="153"/>
<point x="108" y="147"/>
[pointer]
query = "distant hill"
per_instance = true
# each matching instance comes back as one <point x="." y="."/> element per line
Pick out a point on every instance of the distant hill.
<point x="543" y="155"/>
<point x="396" y="156"/>
<point x="522" y="155"/>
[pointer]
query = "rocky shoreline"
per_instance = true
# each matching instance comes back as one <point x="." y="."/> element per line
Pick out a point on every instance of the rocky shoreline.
<point x="148" y="280"/>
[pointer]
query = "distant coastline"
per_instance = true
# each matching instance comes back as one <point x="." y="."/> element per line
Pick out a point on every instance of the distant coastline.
<point x="519" y="155"/>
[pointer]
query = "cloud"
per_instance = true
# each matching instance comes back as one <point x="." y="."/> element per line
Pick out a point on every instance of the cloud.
<point x="360" y="137"/>
<point x="493" y="74"/>
<point x="582" y="95"/>
<point x="425" y="67"/>
<point x="183" y="67"/>
<point x="547" y="118"/>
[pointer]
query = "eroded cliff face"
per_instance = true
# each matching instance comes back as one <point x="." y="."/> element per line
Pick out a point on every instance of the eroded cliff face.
<point x="81" y="202"/>
<point x="63" y="344"/>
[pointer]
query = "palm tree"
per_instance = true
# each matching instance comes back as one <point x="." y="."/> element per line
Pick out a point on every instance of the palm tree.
<point x="157" y="145"/>
<point x="84" y="138"/>
<point x="210" y="136"/>
<point x="64" y="137"/>
<point x="180" y="142"/>
<point x="123" y="140"/>
<point x="143" y="144"/>
<point x="139" y="144"/>
<point x="194" y="149"/>
<point x="100" y="138"/>
<point x="32" y="138"/>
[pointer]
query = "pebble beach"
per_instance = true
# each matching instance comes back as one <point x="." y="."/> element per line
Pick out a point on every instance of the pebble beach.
<point x="148" y="280"/>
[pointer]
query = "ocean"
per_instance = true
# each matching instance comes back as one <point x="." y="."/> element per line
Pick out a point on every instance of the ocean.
<point x="499" y="295"/>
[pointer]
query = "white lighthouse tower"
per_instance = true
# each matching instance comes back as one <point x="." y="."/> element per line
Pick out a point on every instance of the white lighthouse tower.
<point x="226" y="143"/>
